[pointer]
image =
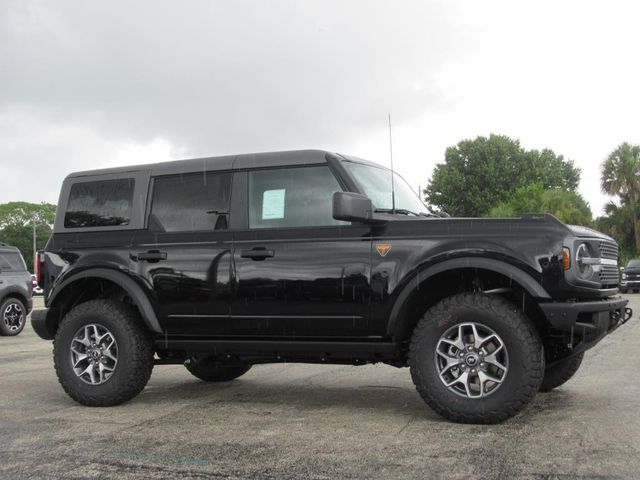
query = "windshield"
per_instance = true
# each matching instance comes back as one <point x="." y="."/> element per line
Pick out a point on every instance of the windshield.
<point x="633" y="264"/>
<point x="376" y="184"/>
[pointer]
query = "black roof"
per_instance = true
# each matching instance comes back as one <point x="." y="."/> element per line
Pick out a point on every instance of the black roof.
<point x="228" y="162"/>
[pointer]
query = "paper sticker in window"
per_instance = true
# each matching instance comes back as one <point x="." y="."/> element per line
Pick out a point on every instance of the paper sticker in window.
<point x="273" y="204"/>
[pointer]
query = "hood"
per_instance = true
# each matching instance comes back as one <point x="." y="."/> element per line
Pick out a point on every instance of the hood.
<point x="580" y="231"/>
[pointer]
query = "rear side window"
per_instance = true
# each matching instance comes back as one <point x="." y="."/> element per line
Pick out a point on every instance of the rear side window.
<point x="193" y="202"/>
<point x="12" y="262"/>
<point x="105" y="203"/>
<point x="292" y="197"/>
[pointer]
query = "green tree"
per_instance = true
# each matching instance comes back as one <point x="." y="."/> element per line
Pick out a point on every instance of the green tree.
<point x="568" y="206"/>
<point x="482" y="173"/>
<point x="621" y="177"/>
<point x="16" y="226"/>
<point x="617" y="223"/>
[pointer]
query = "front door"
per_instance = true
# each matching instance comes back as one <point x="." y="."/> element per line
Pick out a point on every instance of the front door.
<point x="298" y="272"/>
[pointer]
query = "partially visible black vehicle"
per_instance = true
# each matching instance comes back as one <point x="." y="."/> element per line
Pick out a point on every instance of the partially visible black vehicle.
<point x="15" y="291"/>
<point x="630" y="276"/>
<point x="309" y="256"/>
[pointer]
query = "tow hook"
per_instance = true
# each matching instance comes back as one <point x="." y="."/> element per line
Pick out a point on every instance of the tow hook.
<point x="627" y="315"/>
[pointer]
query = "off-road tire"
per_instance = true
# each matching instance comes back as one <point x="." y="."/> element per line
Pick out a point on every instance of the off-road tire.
<point x="561" y="372"/>
<point x="135" y="353"/>
<point x="525" y="350"/>
<point x="4" y="328"/>
<point x="211" y="370"/>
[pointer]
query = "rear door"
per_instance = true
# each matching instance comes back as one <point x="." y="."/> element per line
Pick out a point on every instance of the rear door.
<point x="185" y="251"/>
<point x="298" y="272"/>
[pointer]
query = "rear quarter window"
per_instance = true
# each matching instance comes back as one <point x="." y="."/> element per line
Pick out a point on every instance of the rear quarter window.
<point x="104" y="203"/>
<point x="12" y="262"/>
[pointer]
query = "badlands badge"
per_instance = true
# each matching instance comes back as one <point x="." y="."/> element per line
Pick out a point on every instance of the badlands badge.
<point x="383" y="249"/>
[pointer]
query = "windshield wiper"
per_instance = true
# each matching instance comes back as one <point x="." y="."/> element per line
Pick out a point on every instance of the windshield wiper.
<point x="401" y="211"/>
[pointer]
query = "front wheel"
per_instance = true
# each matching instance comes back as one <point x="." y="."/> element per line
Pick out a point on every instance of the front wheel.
<point x="103" y="354"/>
<point x="13" y="315"/>
<point x="476" y="358"/>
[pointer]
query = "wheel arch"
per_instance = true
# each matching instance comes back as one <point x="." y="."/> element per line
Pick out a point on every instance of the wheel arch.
<point x="62" y="298"/>
<point x="17" y="295"/>
<point x="452" y="276"/>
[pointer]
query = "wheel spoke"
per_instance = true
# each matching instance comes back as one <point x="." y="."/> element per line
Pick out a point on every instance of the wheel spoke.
<point x="492" y="360"/>
<point x="79" y="359"/>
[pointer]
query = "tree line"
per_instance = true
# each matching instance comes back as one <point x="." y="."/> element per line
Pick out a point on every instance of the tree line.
<point x="497" y="177"/>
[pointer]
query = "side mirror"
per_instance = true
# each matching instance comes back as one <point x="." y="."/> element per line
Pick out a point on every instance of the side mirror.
<point x="622" y="269"/>
<point x="352" y="207"/>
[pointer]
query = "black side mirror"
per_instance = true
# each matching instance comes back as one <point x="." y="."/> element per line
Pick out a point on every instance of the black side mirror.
<point x="352" y="207"/>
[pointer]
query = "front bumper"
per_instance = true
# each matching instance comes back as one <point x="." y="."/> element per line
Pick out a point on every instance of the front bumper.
<point x="590" y="320"/>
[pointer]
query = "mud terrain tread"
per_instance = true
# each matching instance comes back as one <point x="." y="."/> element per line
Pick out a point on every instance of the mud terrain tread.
<point x="530" y="343"/>
<point x="139" y="364"/>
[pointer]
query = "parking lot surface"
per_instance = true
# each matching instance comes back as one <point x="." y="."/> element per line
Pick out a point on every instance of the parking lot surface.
<point x="320" y="422"/>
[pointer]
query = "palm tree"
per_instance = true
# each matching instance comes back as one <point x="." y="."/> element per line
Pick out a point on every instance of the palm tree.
<point x="621" y="177"/>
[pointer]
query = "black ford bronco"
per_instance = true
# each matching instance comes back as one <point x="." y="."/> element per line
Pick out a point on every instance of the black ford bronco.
<point x="307" y="256"/>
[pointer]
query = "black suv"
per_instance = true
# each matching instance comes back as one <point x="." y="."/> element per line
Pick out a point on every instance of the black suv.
<point x="15" y="291"/>
<point x="308" y="256"/>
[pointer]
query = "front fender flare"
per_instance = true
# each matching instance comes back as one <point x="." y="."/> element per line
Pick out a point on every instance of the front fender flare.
<point x="519" y="276"/>
<point x="132" y="288"/>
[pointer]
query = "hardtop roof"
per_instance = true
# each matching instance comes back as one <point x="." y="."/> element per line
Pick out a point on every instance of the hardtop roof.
<point x="227" y="162"/>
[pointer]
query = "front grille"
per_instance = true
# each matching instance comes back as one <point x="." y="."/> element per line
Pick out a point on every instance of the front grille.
<point x="608" y="275"/>
<point x="609" y="250"/>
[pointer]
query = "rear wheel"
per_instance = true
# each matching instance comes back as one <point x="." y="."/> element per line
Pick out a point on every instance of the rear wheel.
<point x="13" y="315"/>
<point x="103" y="354"/>
<point x="561" y="372"/>
<point x="476" y="358"/>
<point x="210" y="369"/>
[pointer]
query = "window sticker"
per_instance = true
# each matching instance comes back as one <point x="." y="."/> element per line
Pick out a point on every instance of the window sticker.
<point x="273" y="204"/>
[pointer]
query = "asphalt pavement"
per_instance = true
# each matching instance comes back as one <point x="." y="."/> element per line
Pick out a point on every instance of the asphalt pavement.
<point x="315" y="422"/>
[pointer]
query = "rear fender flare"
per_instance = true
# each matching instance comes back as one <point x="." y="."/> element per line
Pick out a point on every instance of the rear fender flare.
<point x="135" y="291"/>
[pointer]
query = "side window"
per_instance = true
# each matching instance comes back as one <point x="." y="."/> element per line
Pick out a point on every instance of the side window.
<point x="193" y="202"/>
<point x="12" y="262"/>
<point x="292" y="197"/>
<point x="105" y="203"/>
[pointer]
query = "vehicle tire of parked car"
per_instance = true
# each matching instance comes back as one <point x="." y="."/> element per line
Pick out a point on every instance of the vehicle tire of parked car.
<point x="210" y="369"/>
<point x="13" y="317"/>
<point x="103" y="354"/>
<point x="561" y="372"/>
<point x="476" y="358"/>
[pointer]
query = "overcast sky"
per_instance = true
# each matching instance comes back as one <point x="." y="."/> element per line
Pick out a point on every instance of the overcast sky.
<point x="89" y="84"/>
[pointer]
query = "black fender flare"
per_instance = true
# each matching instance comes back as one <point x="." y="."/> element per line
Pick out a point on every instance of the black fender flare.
<point x="519" y="276"/>
<point x="134" y="290"/>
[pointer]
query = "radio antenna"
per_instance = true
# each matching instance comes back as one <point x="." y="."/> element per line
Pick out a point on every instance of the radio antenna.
<point x="393" y="193"/>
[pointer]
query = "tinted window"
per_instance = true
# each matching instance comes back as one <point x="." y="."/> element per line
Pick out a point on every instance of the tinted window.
<point x="105" y="203"/>
<point x="292" y="197"/>
<point x="12" y="262"/>
<point x="198" y="201"/>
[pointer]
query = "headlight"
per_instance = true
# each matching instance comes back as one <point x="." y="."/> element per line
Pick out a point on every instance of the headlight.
<point x="624" y="276"/>
<point x="584" y="260"/>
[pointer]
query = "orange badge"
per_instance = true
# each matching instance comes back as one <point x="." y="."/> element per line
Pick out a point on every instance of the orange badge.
<point x="383" y="249"/>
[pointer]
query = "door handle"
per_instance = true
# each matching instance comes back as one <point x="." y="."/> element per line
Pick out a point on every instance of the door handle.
<point x="151" y="256"/>
<point x="259" y="253"/>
